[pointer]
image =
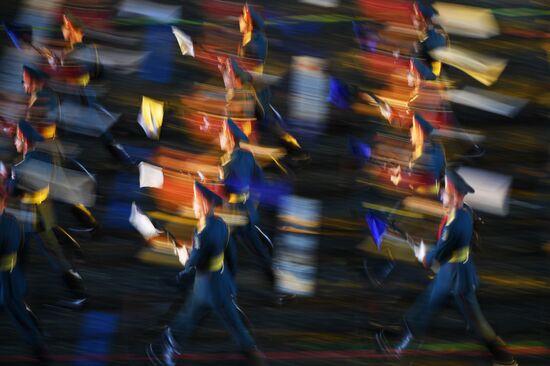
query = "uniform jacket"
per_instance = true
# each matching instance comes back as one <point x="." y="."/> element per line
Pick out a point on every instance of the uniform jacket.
<point x="213" y="281"/>
<point x="12" y="281"/>
<point x="241" y="172"/>
<point x="457" y="273"/>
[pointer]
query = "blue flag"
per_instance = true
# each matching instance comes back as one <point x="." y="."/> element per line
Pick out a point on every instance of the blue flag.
<point x="377" y="228"/>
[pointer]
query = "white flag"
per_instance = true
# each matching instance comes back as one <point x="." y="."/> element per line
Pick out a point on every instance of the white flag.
<point x="185" y="42"/>
<point x="142" y="223"/>
<point x="150" y="176"/>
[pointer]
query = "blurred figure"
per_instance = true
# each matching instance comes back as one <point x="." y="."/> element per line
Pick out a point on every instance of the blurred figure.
<point x="12" y="282"/>
<point x="43" y="111"/>
<point x="456" y="276"/>
<point x="254" y="42"/>
<point x="427" y="164"/>
<point x="80" y="64"/>
<point x="268" y="119"/>
<point x="38" y="209"/>
<point x="43" y="105"/>
<point x="239" y="172"/>
<point x="212" y="289"/>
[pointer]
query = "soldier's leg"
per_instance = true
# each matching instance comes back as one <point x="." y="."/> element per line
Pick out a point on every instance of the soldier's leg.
<point x="50" y="245"/>
<point x="261" y="250"/>
<point x="232" y="317"/>
<point x="474" y="317"/>
<point x="419" y="316"/>
<point x="26" y="326"/>
<point x="185" y="325"/>
<point x="231" y="259"/>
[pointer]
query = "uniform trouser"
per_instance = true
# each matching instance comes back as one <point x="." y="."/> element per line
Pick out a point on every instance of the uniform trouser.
<point x="426" y="307"/>
<point x="227" y="310"/>
<point x="249" y="234"/>
<point x="25" y="324"/>
<point x="49" y="246"/>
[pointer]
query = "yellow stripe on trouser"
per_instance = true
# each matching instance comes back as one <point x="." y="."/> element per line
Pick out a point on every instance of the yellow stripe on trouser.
<point x="36" y="198"/>
<point x="238" y="198"/>
<point x="8" y="262"/>
<point x="460" y="255"/>
<point x="216" y="263"/>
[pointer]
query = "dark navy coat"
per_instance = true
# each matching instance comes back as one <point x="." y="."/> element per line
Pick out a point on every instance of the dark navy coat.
<point x="85" y="58"/>
<point x="257" y="47"/>
<point x="45" y="108"/>
<point x="12" y="281"/>
<point x="435" y="38"/>
<point x="39" y="217"/>
<point x="241" y="172"/>
<point x="432" y="160"/>
<point x="213" y="282"/>
<point x="457" y="273"/>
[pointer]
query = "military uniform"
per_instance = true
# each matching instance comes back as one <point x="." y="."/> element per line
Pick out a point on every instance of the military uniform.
<point x="241" y="172"/>
<point x="434" y="38"/>
<point x="212" y="292"/>
<point x="263" y="111"/>
<point x="30" y="182"/>
<point x="456" y="278"/>
<point x="254" y="44"/>
<point x="12" y="284"/>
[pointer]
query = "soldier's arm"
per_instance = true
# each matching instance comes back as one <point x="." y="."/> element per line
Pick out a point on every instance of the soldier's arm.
<point x="444" y="246"/>
<point x="198" y="256"/>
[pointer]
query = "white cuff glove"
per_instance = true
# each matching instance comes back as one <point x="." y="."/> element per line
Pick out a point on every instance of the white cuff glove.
<point x="420" y="251"/>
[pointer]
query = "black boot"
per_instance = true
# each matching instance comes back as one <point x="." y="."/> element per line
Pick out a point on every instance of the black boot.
<point x="394" y="349"/>
<point x="293" y="148"/>
<point x="119" y="152"/>
<point x="165" y="352"/>
<point x="255" y="357"/>
<point x="86" y="219"/>
<point x="43" y="356"/>
<point x="74" y="282"/>
<point x="501" y="355"/>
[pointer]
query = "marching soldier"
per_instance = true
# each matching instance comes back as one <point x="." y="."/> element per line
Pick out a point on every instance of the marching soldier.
<point x="40" y="222"/>
<point x="213" y="288"/>
<point x="427" y="164"/>
<point x="12" y="282"/>
<point x="456" y="277"/>
<point x="266" y="116"/>
<point x="43" y="105"/>
<point x="254" y="42"/>
<point x="43" y="114"/>
<point x="239" y="172"/>
<point x="79" y="65"/>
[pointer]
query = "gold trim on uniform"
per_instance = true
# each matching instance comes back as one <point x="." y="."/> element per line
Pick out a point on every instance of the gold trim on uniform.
<point x="216" y="263"/>
<point x="238" y="198"/>
<point x="8" y="262"/>
<point x="460" y="255"/>
<point x="36" y="198"/>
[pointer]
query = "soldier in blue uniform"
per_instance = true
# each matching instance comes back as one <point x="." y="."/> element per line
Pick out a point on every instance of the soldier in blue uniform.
<point x="239" y="172"/>
<point x="428" y="155"/>
<point x="254" y="43"/>
<point x="427" y="163"/>
<point x="83" y="65"/>
<point x="266" y="116"/>
<point x="35" y="205"/>
<point x="456" y="277"/>
<point x="43" y="105"/>
<point x="43" y="110"/>
<point x="12" y="282"/>
<point x="213" y="288"/>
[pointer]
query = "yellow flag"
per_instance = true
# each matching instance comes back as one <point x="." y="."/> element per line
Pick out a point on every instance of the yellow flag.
<point x="150" y="118"/>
